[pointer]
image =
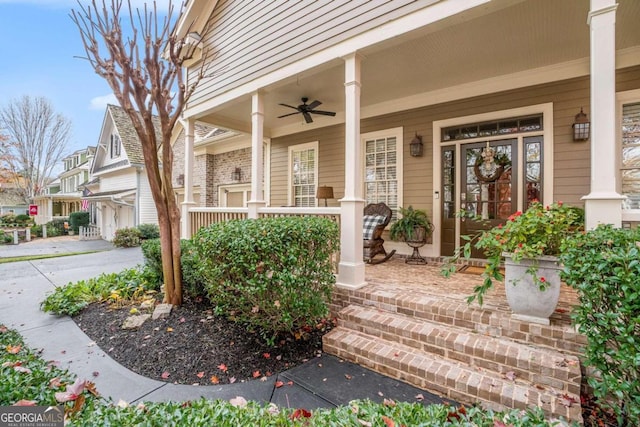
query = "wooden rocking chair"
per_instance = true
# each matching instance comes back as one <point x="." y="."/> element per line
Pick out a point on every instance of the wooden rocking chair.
<point x="376" y="218"/>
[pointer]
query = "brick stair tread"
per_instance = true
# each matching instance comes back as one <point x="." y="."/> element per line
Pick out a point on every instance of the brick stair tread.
<point x="547" y="367"/>
<point x="489" y="319"/>
<point x="449" y="378"/>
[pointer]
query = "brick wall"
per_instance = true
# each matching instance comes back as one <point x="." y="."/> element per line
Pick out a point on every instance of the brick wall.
<point x="223" y="167"/>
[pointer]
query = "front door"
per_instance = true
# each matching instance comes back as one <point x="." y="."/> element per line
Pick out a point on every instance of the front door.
<point x="488" y="186"/>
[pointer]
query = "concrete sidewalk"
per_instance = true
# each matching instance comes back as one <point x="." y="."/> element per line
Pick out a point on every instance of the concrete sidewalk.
<point x="321" y="382"/>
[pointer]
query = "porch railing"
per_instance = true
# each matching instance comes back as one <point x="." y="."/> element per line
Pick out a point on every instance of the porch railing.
<point x="91" y="232"/>
<point x="202" y="217"/>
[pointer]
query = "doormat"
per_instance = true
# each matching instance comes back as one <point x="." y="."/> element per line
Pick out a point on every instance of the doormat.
<point x="474" y="269"/>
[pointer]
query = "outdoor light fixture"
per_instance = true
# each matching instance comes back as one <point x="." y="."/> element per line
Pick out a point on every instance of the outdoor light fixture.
<point x="180" y="180"/>
<point x="324" y="192"/>
<point x="236" y="175"/>
<point x="581" y="127"/>
<point x="416" y="146"/>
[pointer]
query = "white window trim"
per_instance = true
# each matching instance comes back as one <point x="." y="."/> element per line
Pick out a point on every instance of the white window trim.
<point x="545" y="109"/>
<point x="398" y="133"/>
<point x="300" y="147"/>
<point x="626" y="97"/>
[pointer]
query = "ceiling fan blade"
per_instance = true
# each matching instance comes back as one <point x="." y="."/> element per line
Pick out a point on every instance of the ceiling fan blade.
<point x="313" y="105"/>
<point x="290" y="114"/>
<point x="324" y="113"/>
<point x="307" y="117"/>
<point x="290" y="106"/>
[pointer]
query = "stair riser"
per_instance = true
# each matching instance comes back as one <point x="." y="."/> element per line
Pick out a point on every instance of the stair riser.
<point x="445" y="378"/>
<point x="471" y="349"/>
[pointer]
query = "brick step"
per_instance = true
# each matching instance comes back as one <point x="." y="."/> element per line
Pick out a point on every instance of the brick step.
<point x="493" y="320"/>
<point x="542" y="367"/>
<point x="448" y="378"/>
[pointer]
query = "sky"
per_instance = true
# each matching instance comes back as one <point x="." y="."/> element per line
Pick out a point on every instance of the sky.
<point x="39" y="57"/>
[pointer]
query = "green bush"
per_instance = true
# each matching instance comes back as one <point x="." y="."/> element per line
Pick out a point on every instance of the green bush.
<point x="79" y="219"/>
<point x="56" y="227"/>
<point x="36" y="230"/>
<point x="8" y="219"/>
<point x="23" y="219"/>
<point x="273" y="274"/>
<point x="603" y="265"/>
<point x="125" y="285"/>
<point x="192" y="283"/>
<point x="127" y="237"/>
<point x="6" y="237"/>
<point x="149" y="231"/>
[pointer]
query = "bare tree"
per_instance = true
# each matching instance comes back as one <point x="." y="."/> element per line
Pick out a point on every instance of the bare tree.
<point x="35" y="138"/>
<point x="144" y="70"/>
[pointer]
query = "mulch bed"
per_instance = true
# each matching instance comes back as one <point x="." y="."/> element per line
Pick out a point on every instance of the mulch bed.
<point x="193" y="346"/>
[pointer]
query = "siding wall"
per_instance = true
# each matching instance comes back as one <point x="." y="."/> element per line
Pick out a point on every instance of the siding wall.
<point x="147" y="212"/>
<point x="252" y="38"/>
<point x="571" y="159"/>
<point x="121" y="180"/>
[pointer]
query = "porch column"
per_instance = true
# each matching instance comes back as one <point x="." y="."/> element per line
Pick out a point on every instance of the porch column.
<point x="49" y="212"/>
<point x="185" y="220"/>
<point x="257" y="162"/>
<point x="603" y="205"/>
<point x="351" y="267"/>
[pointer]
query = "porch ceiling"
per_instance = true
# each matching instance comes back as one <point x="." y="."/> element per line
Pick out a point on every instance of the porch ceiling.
<point x="498" y="39"/>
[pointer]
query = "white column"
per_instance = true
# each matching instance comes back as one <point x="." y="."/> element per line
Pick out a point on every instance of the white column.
<point x="351" y="267"/>
<point x="257" y="162"/>
<point x="185" y="220"/>
<point x="603" y="205"/>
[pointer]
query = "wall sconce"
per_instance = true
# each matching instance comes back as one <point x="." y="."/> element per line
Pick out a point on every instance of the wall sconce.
<point x="236" y="175"/>
<point x="416" y="146"/>
<point x="180" y="180"/>
<point x="324" y="192"/>
<point x="581" y="127"/>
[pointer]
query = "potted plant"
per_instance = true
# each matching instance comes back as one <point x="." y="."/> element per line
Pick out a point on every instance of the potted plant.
<point x="414" y="228"/>
<point x="529" y="242"/>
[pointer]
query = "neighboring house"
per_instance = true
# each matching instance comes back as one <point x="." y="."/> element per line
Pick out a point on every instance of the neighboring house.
<point x="63" y="195"/>
<point x="119" y="189"/>
<point x="463" y="76"/>
<point x="12" y="202"/>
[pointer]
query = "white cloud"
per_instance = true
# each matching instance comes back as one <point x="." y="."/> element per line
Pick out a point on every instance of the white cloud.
<point x="100" y="102"/>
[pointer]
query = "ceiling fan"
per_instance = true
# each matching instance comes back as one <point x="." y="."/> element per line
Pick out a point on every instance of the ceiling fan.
<point x="307" y="109"/>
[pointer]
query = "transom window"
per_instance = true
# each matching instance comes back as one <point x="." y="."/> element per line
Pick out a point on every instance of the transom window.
<point x="303" y="166"/>
<point x="493" y="128"/>
<point x="630" y="161"/>
<point x="381" y="169"/>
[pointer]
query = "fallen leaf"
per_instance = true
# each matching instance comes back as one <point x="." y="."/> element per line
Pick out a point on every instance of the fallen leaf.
<point x="22" y="369"/>
<point x="273" y="409"/>
<point x="510" y="375"/>
<point x="95" y="373"/>
<point x="55" y="382"/>
<point x="364" y="423"/>
<point x="214" y="380"/>
<point x="263" y="379"/>
<point x="279" y="357"/>
<point x="498" y="423"/>
<point x="13" y="349"/>
<point x="268" y="374"/>
<point x="380" y="394"/>
<point x="165" y="375"/>
<point x="279" y="384"/>
<point x="222" y="367"/>
<point x="388" y="421"/>
<point x="388" y="402"/>
<point x="347" y="376"/>
<point x="238" y="402"/>
<point x="3" y="329"/>
<point x="232" y="380"/>
<point x="300" y="413"/>
<point x="200" y="374"/>
<point x="289" y="382"/>
<point x="122" y="404"/>
<point x="72" y="392"/>
<point x="276" y="303"/>
<point x="169" y="329"/>
<point x="419" y="397"/>
<point x="24" y="402"/>
<point x="255" y="309"/>
<point x="266" y="355"/>
<point x="182" y="320"/>
<point x="91" y="388"/>
<point x="256" y="374"/>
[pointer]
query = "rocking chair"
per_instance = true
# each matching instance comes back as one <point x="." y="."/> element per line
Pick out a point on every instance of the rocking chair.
<point x="376" y="218"/>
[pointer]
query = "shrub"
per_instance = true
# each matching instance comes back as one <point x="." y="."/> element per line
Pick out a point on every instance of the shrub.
<point x="8" y="219"/>
<point x="192" y="283"/>
<point x="79" y="219"/>
<point x="149" y="231"/>
<point x="56" y="227"/>
<point x="273" y="274"/>
<point x="23" y="219"/>
<point x="6" y="238"/>
<point x="36" y="230"/>
<point x="127" y="237"/>
<point x="603" y="265"/>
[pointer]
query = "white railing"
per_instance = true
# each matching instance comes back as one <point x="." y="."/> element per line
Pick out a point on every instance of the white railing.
<point x="91" y="232"/>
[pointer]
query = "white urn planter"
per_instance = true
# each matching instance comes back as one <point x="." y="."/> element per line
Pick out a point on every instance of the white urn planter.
<point x="527" y="301"/>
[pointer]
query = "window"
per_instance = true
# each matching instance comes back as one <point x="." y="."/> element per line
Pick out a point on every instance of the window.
<point x="115" y="146"/>
<point x="303" y="167"/>
<point x="630" y="155"/>
<point x="382" y="156"/>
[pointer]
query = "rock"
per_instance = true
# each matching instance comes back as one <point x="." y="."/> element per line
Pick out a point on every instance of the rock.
<point x="134" y="322"/>
<point x="161" y="311"/>
<point x="147" y="304"/>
